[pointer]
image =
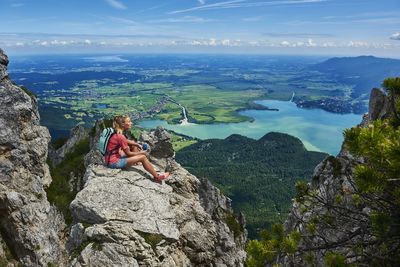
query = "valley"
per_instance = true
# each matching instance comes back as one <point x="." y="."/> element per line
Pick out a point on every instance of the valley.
<point x="213" y="89"/>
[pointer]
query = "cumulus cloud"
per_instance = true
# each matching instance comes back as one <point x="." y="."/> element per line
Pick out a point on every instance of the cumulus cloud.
<point x="285" y="43"/>
<point x="395" y="36"/>
<point x="116" y="4"/>
<point x="77" y="41"/>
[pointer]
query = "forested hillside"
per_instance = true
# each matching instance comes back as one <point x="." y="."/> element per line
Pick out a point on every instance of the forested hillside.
<point x="258" y="175"/>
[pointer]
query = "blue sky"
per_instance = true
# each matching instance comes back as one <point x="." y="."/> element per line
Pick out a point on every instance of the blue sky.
<point x="328" y="27"/>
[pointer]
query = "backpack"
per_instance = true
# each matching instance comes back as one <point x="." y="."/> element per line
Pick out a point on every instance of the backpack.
<point x="104" y="139"/>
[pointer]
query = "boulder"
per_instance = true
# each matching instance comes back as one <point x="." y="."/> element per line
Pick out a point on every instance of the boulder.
<point x="133" y="221"/>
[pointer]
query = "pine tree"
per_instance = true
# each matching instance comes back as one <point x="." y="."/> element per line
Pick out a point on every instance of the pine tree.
<point x="373" y="208"/>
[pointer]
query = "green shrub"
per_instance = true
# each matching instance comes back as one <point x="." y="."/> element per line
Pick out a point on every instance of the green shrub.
<point x="59" y="142"/>
<point x="233" y="224"/>
<point x="334" y="259"/>
<point x="151" y="239"/>
<point x="59" y="193"/>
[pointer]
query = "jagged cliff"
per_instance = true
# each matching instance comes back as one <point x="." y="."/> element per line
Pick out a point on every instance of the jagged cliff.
<point x="30" y="227"/>
<point x="335" y="226"/>
<point x="120" y="217"/>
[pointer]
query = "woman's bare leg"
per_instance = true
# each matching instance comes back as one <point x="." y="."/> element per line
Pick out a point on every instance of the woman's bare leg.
<point x="146" y="163"/>
<point x="134" y="148"/>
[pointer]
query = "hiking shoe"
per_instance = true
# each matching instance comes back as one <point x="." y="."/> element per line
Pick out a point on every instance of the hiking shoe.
<point x="161" y="177"/>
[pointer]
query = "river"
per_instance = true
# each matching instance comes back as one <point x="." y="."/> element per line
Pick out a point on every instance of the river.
<point x="319" y="130"/>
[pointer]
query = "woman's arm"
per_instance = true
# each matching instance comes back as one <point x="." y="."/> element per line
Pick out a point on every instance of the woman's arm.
<point x="130" y="153"/>
<point x="125" y="147"/>
<point x="133" y="143"/>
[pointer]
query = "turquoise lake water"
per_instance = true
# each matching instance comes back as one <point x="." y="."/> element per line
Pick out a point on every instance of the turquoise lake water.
<point x="319" y="130"/>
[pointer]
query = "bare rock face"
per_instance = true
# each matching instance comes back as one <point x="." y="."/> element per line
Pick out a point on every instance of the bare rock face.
<point x="379" y="105"/>
<point x="330" y="220"/>
<point x="77" y="134"/>
<point x="124" y="218"/>
<point x="28" y="224"/>
<point x="159" y="142"/>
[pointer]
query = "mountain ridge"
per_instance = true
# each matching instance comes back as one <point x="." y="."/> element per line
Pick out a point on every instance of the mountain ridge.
<point x="258" y="175"/>
<point x="365" y="72"/>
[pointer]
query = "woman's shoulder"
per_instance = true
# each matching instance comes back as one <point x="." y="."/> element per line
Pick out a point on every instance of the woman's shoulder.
<point x="119" y="136"/>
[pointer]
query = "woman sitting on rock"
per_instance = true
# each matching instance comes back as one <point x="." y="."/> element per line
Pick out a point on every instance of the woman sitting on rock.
<point x="118" y="142"/>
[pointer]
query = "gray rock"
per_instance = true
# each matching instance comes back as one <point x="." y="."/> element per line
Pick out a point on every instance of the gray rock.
<point x="76" y="237"/>
<point x="26" y="216"/>
<point x="159" y="142"/>
<point x="379" y="105"/>
<point x="154" y="224"/>
<point x="3" y="65"/>
<point x="340" y="224"/>
<point x="132" y="197"/>
<point x="77" y="134"/>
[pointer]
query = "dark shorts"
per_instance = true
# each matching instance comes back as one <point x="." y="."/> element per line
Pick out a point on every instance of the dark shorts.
<point x="121" y="163"/>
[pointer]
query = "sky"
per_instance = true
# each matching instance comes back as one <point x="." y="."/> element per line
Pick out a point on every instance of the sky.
<point x="301" y="27"/>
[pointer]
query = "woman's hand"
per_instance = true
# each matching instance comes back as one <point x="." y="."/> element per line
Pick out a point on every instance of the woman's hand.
<point x="144" y="152"/>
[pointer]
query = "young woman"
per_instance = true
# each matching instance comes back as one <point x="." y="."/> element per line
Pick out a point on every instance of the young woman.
<point x="118" y="142"/>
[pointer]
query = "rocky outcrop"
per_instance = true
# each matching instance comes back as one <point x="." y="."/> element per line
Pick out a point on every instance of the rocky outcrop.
<point x="158" y="140"/>
<point x="77" y="134"/>
<point x="330" y="219"/>
<point x="29" y="225"/>
<point x="124" y="218"/>
<point x="121" y="217"/>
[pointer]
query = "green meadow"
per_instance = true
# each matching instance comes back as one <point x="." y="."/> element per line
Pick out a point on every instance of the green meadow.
<point x="212" y="90"/>
<point x="204" y="103"/>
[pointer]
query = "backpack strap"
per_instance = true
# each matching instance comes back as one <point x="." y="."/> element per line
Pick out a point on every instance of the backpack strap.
<point x="111" y="152"/>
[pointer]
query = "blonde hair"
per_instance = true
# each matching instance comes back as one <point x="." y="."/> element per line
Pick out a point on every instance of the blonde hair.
<point x="118" y="122"/>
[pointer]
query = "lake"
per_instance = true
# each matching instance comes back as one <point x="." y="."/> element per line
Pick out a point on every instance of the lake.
<point x="319" y="130"/>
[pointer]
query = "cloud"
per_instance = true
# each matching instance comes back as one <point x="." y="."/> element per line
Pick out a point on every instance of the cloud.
<point x="80" y="41"/>
<point x="35" y="36"/>
<point x="387" y="20"/>
<point x="246" y="3"/>
<point x="17" y="5"/>
<point x="252" y="19"/>
<point x="370" y="18"/>
<point x="395" y="36"/>
<point x="116" y="4"/>
<point x="192" y="19"/>
<point x="209" y="6"/>
<point x="150" y="8"/>
<point x="124" y="21"/>
<point x="285" y="43"/>
<point x="298" y="35"/>
<point x="201" y="2"/>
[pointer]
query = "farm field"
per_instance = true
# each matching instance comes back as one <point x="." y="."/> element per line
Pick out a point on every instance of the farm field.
<point x="212" y="89"/>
